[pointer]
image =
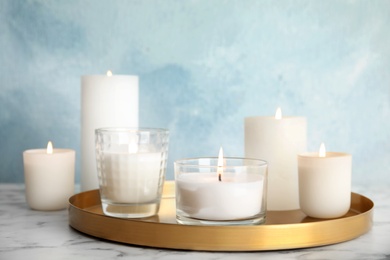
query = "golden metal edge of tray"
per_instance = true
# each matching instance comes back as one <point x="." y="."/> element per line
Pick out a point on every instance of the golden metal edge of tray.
<point x="162" y="231"/>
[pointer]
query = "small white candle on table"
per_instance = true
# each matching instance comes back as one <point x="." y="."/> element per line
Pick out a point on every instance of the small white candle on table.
<point x="221" y="195"/>
<point x="49" y="177"/>
<point x="325" y="183"/>
<point x="278" y="140"/>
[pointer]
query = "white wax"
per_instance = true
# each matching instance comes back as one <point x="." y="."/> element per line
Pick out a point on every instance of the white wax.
<point x="49" y="178"/>
<point x="325" y="184"/>
<point x="105" y="102"/>
<point x="202" y="196"/>
<point x="131" y="178"/>
<point x="277" y="141"/>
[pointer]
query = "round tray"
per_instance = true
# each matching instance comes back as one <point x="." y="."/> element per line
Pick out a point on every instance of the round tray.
<point x="282" y="230"/>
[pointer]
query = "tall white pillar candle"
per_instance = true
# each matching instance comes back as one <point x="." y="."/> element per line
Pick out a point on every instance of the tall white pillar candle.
<point x="278" y="141"/>
<point x="49" y="178"/>
<point x="325" y="184"/>
<point x="106" y="101"/>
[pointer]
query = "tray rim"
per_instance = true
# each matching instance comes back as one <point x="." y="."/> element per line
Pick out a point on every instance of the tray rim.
<point x="266" y="237"/>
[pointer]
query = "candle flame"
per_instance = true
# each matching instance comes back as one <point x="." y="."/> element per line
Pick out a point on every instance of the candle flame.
<point x="132" y="148"/>
<point x="49" y="149"/>
<point x="220" y="164"/>
<point x="109" y="73"/>
<point x="322" y="152"/>
<point x="278" y="113"/>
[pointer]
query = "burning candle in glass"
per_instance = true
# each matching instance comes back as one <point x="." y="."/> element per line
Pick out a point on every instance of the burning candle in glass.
<point x="220" y="191"/>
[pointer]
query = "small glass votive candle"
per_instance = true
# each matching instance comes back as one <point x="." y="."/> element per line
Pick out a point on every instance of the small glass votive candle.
<point x="131" y="164"/>
<point x="325" y="183"/>
<point x="49" y="177"/>
<point x="208" y="194"/>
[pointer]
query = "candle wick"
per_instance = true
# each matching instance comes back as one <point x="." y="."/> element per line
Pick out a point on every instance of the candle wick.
<point x="219" y="177"/>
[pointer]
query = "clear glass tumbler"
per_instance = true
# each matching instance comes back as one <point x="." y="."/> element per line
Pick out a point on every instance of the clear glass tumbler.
<point x="131" y="165"/>
<point x="208" y="194"/>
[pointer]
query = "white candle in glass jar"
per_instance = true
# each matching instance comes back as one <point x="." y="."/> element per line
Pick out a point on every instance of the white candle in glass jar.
<point x="106" y="101"/>
<point x="325" y="183"/>
<point x="278" y="140"/>
<point x="229" y="194"/>
<point x="203" y="196"/>
<point x="131" y="177"/>
<point x="49" y="177"/>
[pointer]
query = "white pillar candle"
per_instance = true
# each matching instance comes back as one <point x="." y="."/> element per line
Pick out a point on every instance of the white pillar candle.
<point x="325" y="184"/>
<point x="131" y="178"/>
<point x="49" y="177"/>
<point x="278" y="140"/>
<point x="106" y="101"/>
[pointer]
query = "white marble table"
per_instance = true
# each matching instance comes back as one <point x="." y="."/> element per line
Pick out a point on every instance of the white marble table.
<point x="29" y="234"/>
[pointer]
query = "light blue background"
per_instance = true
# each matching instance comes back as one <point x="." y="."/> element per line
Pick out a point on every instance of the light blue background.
<point x="203" y="66"/>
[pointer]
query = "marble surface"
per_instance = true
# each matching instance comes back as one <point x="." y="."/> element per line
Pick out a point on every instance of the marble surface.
<point x="29" y="234"/>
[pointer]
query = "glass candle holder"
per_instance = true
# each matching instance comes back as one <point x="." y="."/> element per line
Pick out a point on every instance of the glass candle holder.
<point x="207" y="194"/>
<point x="131" y="164"/>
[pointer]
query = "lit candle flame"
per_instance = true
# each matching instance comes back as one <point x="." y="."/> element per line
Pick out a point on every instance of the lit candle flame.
<point x="109" y="73"/>
<point x="220" y="164"/>
<point x="132" y="148"/>
<point x="322" y="152"/>
<point x="49" y="149"/>
<point x="278" y="113"/>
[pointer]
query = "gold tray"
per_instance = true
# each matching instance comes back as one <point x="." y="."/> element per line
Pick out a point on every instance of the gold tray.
<point x="282" y="230"/>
